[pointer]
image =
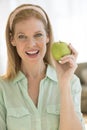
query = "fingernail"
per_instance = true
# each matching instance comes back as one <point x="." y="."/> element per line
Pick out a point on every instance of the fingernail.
<point x="60" y="61"/>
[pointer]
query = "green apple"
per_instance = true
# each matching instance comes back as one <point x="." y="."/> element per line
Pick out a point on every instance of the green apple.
<point x="60" y="49"/>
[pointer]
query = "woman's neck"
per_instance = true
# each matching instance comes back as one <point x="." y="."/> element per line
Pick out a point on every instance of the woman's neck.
<point x="34" y="71"/>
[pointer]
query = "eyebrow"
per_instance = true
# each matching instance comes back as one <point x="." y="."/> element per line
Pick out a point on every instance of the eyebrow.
<point x="20" y="33"/>
<point x="38" y="31"/>
<point x="25" y="34"/>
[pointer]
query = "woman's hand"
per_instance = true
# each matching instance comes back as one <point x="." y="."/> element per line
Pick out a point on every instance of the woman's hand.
<point x="66" y="66"/>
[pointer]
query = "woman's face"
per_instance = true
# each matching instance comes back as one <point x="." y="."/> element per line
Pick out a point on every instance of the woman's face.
<point x="30" y="40"/>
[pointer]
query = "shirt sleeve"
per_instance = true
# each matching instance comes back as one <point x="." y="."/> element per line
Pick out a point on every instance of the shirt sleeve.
<point x="76" y="93"/>
<point x="2" y="112"/>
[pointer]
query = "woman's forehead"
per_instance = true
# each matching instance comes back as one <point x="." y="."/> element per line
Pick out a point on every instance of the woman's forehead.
<point x="31" y="24"/>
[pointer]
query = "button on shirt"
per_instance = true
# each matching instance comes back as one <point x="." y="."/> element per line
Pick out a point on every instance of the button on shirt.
<point x="18" y="112"/>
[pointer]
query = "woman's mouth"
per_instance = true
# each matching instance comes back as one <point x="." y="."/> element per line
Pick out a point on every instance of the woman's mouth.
<point x="32" y="53"/>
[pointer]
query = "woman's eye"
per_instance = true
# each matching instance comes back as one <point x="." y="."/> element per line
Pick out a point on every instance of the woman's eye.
<point x="38" y="35"/>
<point x="22" y="37"/>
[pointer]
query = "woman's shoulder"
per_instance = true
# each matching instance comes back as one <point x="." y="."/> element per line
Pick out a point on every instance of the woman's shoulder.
<point x="3" y="82"/>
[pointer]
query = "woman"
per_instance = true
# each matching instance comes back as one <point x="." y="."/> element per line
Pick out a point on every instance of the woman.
<point x="37" y="92"/>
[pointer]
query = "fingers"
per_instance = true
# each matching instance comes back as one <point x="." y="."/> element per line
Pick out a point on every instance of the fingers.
<point x="73" y="50"/>
<point x="68" y="59"/>
<point x="71" y="59"/>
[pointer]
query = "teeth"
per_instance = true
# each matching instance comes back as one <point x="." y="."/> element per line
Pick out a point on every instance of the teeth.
<point x="32" y="52"/>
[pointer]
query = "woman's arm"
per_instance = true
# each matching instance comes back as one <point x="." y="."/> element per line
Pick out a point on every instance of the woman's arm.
<point x="65" y="71"/>
<point x="70" y="106"/>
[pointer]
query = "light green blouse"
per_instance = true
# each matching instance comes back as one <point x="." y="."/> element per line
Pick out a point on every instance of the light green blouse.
<point x="18" y="112"/>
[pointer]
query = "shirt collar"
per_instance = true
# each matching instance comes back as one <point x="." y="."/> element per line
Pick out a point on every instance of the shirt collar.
<point x="50" y="73"/>
<point x="20" y="76"/>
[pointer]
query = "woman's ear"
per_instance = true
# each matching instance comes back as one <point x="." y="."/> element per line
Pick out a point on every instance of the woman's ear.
<point x="13" y="43"/>
<point x="12" y="40"/>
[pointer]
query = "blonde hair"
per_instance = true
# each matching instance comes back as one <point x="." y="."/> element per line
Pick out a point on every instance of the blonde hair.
<point x="14" y="61"/>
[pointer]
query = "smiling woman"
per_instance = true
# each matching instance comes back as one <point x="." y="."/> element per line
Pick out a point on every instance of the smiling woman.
<point x="33" y="77"/>
<point x="36" y="89"/>
<point x="30" y="37"/>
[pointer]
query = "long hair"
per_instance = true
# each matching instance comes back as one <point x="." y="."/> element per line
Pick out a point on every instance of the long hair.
<point x="14" y="61"/>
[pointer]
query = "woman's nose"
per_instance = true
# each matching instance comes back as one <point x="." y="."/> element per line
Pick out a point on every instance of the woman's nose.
<point x="31" y="42"/>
